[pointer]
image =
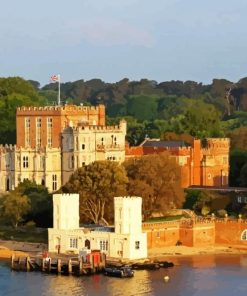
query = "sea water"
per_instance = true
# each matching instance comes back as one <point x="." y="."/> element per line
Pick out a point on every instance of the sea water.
<point x="198" y="275"/>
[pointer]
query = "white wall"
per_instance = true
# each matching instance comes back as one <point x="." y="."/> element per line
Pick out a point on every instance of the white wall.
<point x="66" y="211"/>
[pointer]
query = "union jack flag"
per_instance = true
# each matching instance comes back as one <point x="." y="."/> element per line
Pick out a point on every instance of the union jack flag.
<point x="55" y="78"/>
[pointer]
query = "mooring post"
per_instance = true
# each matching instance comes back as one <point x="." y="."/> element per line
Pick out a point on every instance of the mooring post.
<point x="49" y="265"/>
<point x="58" y="265"/>
<point x="27" y="263"/>
<point x="70" y="266"/>
<point x="12" y="260"/>
<point x="103" y="260"/>
<point x="80" y="266"/>
<point x="43" y="264"/>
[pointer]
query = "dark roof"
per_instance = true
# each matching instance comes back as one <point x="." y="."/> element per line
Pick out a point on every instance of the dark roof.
<point x="170" y="144"/>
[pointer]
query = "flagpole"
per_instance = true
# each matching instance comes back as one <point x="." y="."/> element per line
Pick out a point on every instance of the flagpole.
<point x="59" y="90"/>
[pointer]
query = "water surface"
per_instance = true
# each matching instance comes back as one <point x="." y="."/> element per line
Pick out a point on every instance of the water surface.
<point x="198" y="275"/>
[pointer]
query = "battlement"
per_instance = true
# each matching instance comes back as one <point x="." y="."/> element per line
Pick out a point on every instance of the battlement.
<point x="60" y="108"/>
<point x="216" y="144"/>
<point x="66" y="195"/>
<point x="94" y="128"/>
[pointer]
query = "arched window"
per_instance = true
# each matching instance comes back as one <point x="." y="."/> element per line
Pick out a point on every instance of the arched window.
<point x="87" y="244"/>
<point x="244" y="235"/>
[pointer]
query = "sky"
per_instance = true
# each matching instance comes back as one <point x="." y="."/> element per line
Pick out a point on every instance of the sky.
<point x="112" y="39"/>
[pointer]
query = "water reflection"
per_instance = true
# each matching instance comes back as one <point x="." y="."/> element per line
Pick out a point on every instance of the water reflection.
<point x="198" y="275"/>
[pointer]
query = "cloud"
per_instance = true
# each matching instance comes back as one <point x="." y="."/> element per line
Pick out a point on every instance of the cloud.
<point x="113" y="33"/>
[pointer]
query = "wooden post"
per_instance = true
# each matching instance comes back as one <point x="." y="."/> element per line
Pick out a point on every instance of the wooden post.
<point x="49" y="265"/>
<point x="43" y="264"/>
<point x="69" y="266"/>
<point x="103" y="259"/>
<point x="12" y="260"/>
<point x="80" y="266"/>
<point x="58" y="265"/>
<point x="27" y="264"/>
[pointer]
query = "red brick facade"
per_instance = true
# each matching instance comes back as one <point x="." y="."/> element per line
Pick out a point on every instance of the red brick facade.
<point x="60" y="117"/>
<point x="200" y="166"/>
<point x="196" y="233"/>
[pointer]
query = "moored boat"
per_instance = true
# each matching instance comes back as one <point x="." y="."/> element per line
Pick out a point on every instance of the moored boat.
<point x="121" y="272"/>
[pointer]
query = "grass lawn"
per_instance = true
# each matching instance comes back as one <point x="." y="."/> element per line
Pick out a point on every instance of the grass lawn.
<point x="24" y="234"/>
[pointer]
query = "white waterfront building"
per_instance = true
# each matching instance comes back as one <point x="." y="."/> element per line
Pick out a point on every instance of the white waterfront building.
<point x="125" y="241"/>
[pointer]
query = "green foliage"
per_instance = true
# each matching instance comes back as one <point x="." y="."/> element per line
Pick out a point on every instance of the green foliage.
<point x="40" y="203"/>
<point x="238" y="159"/>
<point x="97" y="184"/>
<point x="207" y="200"/>
<point x="14" y="207"/>
<point x="142" y="107"/>
<point x="14" y="92"/>
<point x="191" y="198"/>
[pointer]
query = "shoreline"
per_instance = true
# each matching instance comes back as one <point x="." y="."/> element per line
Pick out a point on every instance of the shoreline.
<point x="7" y="248"/>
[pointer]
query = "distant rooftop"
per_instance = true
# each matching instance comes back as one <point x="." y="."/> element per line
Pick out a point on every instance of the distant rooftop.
<point x="170" y="144"/>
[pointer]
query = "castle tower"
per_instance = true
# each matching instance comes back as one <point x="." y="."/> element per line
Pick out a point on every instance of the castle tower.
<point x="66" y="211"/>
<point x="128" y="215"/>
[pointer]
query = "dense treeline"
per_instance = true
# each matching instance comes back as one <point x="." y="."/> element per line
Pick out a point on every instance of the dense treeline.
<point x="151" y="109"/>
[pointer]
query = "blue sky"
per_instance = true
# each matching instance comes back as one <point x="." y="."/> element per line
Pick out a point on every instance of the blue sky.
<point x="112" y="39"/>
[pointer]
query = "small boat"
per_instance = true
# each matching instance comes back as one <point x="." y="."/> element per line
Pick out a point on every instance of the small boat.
<point x="121" y="272"/>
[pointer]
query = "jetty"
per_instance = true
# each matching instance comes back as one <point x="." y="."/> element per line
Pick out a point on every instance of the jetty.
<point x="61" y="265"/>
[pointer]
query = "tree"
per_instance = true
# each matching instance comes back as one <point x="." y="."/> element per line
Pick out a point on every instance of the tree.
<point x="142" y="107"/>
<point x="97" y="184"/>
<point x="156" y="178"/>
<point x="14" y="207"/>
<point x="14" y="92"/>
<point x="201" y="120"/>
<point x="40" y="203"/>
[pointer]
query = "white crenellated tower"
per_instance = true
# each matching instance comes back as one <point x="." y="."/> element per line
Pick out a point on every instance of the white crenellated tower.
<point x="66" y="211"/>
<point x="128" y="215"/>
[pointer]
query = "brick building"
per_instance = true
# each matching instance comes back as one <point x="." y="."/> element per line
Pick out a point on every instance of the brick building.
<point x="202" y="163"/>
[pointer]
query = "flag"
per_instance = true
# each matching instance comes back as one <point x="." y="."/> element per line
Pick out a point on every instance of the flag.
<point x="55" y="78"/>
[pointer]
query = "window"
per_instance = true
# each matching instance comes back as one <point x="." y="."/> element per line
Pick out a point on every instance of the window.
<point x="137" y="245"/>
<point x="42" y="162"/>
<point x="225" y="160"/>
<point x="157" y="234"/>
<point x="83" y="163"/>
<point x="54" y="182"/>
<point x="72" y="162"/>
<point x="103" y="245"/>
<point x="49" y="122"/>
<point x="49" y="142"/>
<point x="244" y="235"/>
<point x="83" y="146"/>
<point x="27" y="122"/>
<point x="27" y="131"/>
<point x="25" y="162"/>
<point x="73" y="243"/>
<point x="38" y="142"/>
<point x="38" y="122"/>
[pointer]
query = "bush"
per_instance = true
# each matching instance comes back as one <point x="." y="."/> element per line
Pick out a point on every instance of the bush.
<point x="221" y="213"/>
<point x="30" y="224"/>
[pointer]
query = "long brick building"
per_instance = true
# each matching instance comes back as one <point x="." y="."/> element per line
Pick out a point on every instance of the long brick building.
<point x="202" y="164"/>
